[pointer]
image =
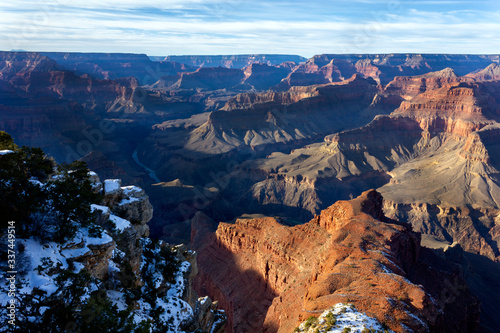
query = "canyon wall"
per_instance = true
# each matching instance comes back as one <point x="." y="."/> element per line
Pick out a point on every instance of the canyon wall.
<point x="269" y="277"/>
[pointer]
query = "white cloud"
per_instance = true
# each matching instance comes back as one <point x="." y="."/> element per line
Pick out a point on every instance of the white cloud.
<point x="54" y="26"/>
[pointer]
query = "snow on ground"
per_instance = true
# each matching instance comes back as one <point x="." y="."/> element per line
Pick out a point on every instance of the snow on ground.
<point x="346" y="316"/>
<point x="112" y="185"/>
<point x="117" y="298"/>
<point x="417" y="319"/>
<point x="121" y="224"/>
<point x="83" y="235"/>
<point x="177" y="289"/>
<point x="132" y="193"/>
<point x="5" y="152"/>
<point x="177" y="309"/>
<point x="127" y="201"/>
<point x="132" y="190"/>
<point x="35" y="181"/>
<point x="103" y="209"/>
<point x="41" y="258"/>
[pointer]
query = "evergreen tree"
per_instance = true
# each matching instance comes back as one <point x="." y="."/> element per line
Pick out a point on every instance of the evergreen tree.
<point x="53" y="210"/>
<point x="70" y="199"/>
<point x="6" y="142"/>
<point x="20" y="194"/>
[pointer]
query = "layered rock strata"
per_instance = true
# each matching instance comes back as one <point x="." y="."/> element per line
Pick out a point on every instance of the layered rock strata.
<point x="269" y="277"/>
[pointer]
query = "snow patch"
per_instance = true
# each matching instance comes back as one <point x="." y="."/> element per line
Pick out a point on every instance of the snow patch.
<point x="121" y="224"/>
<point x="346" y="316"/>
<point x="112" y="185"/>
<point x="103" y="209"/>
<point x="127" y="201"/>
<point x="117" y="298"/>
<point x="177" y="289"/>
<point x="131" y="190"/>
<point x="35" y="181"/>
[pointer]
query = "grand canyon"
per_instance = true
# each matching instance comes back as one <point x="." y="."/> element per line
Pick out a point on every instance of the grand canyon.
<point x="341" y="186"/>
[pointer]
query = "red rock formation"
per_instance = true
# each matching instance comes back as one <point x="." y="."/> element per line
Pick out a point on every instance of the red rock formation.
<point x="492" y="72"/>
<point x="366" y="68"/>
<point x="410" y="86"/>
<point x="456" y="108"/>
<point x="317" y="70"/>
<point x="270" y="277"/>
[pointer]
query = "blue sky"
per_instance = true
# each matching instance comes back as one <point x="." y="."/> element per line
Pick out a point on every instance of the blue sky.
<point x="175" y="27"/>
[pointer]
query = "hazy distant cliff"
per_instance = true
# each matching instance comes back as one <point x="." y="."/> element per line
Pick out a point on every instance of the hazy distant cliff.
<point x="231" y="61"/>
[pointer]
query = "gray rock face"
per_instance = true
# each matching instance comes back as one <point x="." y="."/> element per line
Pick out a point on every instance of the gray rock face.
<point x="130" y="203"/>
<point x="94" y="257"/>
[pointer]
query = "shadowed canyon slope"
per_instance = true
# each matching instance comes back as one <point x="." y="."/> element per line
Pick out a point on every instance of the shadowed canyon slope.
<point x="437" y="148"/>
<point x="269" y="277"/>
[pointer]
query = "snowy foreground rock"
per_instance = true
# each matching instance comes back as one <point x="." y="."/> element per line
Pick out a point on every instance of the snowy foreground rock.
<point x="341" y="318"/>
<point x="120" y="276"/>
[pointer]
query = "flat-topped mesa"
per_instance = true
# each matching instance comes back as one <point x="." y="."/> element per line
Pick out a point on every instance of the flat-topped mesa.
<point x="269" y="277"/>
<point x="455" y="100"/>
<point x="410" y="86"/>
<point x="367" y="69"/>
<point x="346" y="89"/>
<point x="247" y="100"/>
<point x="210" y="78"/>
<point x="40" y="76"/>
<point x="110" y="66"/>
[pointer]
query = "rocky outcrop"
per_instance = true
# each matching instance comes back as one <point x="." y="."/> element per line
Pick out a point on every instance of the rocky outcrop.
<point x="317" y="70"/>
<point x="248" y="100"/>
<point x="460" y="99"/>
<point x="492" y="72"/>
<point x="474" y="229"/>
<point x="93" y="256"/>
<point x="281" y="275"/>
<point x="132" y="207"/>
<point x="477" y="144"/>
